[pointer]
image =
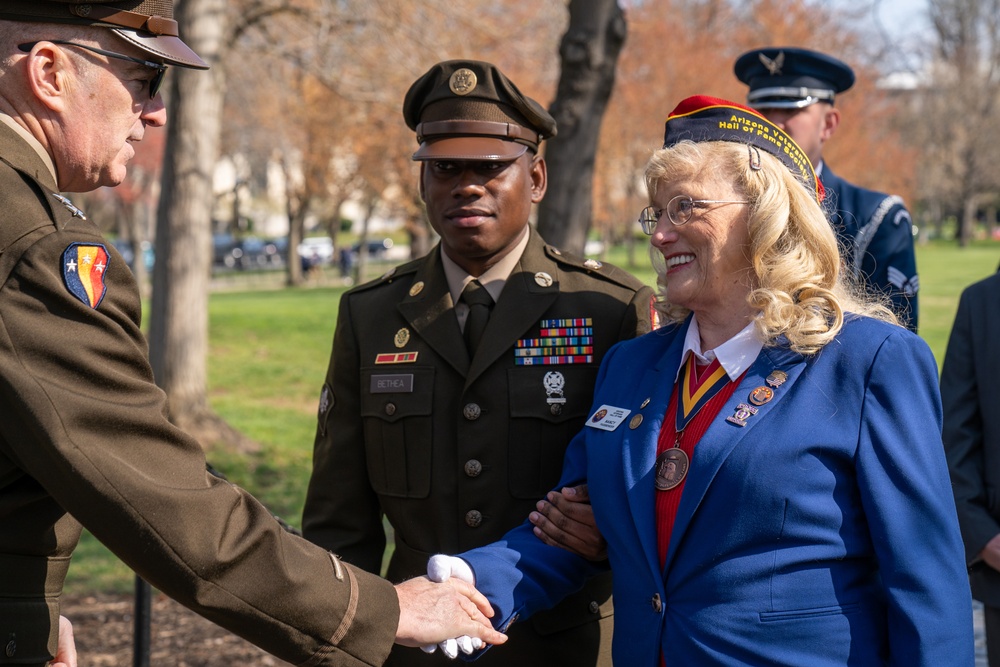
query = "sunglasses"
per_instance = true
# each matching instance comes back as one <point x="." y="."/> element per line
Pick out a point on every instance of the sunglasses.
<point x="154" y="83"/>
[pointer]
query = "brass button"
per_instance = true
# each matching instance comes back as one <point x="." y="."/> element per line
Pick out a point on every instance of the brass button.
<point x="473" y="518"/>
<point x="472" y="412"/>
<point x="473" y="468"/>
<point x="656" y="603"/>
<point x="390" y="409"/>
<point x="556" y="409"/>
<point x="11" y="647"/>
<point x="594" y="607"/>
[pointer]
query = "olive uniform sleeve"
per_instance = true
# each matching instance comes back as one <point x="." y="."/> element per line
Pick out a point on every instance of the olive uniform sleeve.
<point x="84" y="429"/>
<point x="342" y="510"/>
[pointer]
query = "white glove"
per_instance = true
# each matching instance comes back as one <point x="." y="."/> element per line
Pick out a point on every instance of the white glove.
<point x="441" y="568"/>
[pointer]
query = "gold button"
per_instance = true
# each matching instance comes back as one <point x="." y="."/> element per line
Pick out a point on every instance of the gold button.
<point x="473" y="518"/>
<point x="390" y="409"/>
<point x="473" y="468"/>
<point x="656" y="603"/>
<point x="472" y="412"/>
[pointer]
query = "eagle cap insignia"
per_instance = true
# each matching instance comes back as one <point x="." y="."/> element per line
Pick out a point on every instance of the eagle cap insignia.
<point x="773" y="65"/>
<point x="463" y="81"/>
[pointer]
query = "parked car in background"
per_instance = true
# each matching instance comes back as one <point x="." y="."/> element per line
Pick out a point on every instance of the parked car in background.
<point x="251" y="252"/>
<point x="316" y="249"/>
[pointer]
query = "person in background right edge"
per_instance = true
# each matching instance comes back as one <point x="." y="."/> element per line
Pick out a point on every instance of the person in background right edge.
<point x="970" y="389"/>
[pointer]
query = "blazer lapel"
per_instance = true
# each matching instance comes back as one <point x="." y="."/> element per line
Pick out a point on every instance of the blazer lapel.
<point x="430" y="311"/>
<point x="639" y="444"/>
<point x="723" y="436"/>
<point x="524" y="299"/>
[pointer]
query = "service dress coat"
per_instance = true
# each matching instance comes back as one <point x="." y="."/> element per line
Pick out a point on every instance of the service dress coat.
<point x="970" y="393"/>
<point x="820" y="533"/>
<point x="875" y="233"/>
<point x="84" y="440"/>
<point x="455" y="453"/>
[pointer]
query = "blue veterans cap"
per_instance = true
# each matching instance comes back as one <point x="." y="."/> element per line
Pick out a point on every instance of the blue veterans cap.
<point x="702" y="118"/>
<point x="791" y="78"/>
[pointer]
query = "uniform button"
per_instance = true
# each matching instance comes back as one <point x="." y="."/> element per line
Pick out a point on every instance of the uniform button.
<point x="390" y="409"/>
<point x="473" y="468"/>
<point x="594" y="607"/>
<point x="473" y="518"/>
<point x="11" y="648"/>
<point x="472" y="411"/>
<point x="556" y="409"/>
<point x="656" y="603"/>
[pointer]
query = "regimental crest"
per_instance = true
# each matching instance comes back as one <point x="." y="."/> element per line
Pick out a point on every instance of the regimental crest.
<point x="83" y="268"/>
<point x="774" y="65"/>
<point x="463" y="81"/>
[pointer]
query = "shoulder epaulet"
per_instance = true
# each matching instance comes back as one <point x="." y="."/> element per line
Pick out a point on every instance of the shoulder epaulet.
<point x="390" y="276"/>
<point x="594" y="267"/>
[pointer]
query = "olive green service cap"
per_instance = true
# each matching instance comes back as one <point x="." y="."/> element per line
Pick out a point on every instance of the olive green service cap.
<point x="468" y="110"/>
<point x="148" y="24"/>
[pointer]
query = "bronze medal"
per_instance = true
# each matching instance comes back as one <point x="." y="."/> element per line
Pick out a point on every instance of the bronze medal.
<point x="761" y="395"/>
<point x="671" y="468"/>
<point x="635" y="422"/>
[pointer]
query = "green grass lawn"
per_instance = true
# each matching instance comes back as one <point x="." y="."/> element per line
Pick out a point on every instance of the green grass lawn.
<point x="269" y="352"/>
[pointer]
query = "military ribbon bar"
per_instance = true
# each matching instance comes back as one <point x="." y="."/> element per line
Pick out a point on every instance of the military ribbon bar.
<point x="576" y="322"/>
<point x="547" y="361"/>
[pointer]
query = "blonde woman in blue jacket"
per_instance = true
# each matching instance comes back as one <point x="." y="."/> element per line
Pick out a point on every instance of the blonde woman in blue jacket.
<point x="766" y="468"/>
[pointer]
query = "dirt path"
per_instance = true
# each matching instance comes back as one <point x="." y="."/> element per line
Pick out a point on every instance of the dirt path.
<point x="103" y="625"/>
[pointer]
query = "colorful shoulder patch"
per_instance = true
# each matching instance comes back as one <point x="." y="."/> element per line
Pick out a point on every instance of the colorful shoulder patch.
<point x="83" y="269"/>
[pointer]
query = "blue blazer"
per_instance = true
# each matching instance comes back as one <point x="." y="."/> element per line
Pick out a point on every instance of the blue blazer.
<point x="821" y="533"/>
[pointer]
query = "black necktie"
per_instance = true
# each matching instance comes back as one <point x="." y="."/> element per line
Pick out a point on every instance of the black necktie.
<point x="479" y="302"/>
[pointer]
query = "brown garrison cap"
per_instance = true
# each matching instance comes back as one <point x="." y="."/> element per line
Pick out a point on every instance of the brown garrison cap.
<point x="468" y="110"/>
<point x="148" y="24"/>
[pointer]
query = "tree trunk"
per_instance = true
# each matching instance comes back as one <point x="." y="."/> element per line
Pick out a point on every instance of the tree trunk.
<point x="589" y="54"/>
<point x="179" y="319"/>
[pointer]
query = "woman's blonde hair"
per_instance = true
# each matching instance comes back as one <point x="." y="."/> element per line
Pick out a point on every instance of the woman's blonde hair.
<point x="799" y="290"/>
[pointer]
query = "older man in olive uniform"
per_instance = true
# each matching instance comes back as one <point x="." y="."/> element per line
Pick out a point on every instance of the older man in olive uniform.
<point x="83" y="437"/>
<point x="795" y="89"/>
<point x="457" y="380"/>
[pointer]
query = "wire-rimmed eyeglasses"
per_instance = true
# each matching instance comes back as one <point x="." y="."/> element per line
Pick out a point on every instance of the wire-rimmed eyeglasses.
<point x="154" y="83"/>
<point x="679" y="211"/>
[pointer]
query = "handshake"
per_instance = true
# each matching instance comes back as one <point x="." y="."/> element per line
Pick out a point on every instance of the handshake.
<point x="429" y="607"/>
<point x="441" y="568"/>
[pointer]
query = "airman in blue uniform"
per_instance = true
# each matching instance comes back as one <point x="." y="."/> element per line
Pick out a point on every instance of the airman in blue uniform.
<point x="795" y="89"/>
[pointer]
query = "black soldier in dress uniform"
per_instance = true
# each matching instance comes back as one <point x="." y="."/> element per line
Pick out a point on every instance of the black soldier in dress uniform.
<point x="795" y="89"/>
<point x="456" y="440"/>
<point x="83" y="436"/>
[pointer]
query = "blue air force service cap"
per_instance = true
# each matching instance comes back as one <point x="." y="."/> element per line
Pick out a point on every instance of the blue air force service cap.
<point x="791" y="78"/>
<point x="468" y="110"/>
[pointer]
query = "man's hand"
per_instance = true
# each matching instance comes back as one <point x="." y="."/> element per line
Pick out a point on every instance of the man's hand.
<point x="430" y="613"/>
<point x="991" y="553"/>
<point x="566" y="519"/>
<point x="66" y="651"/>
<point x="441" y="568"/>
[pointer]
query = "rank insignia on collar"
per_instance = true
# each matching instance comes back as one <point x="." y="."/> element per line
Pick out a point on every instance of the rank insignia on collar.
<point x="83" y="268"/>
<point x="77" y="213"/>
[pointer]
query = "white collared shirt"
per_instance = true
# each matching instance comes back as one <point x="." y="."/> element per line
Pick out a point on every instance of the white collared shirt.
<point x="735" y="355"/>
